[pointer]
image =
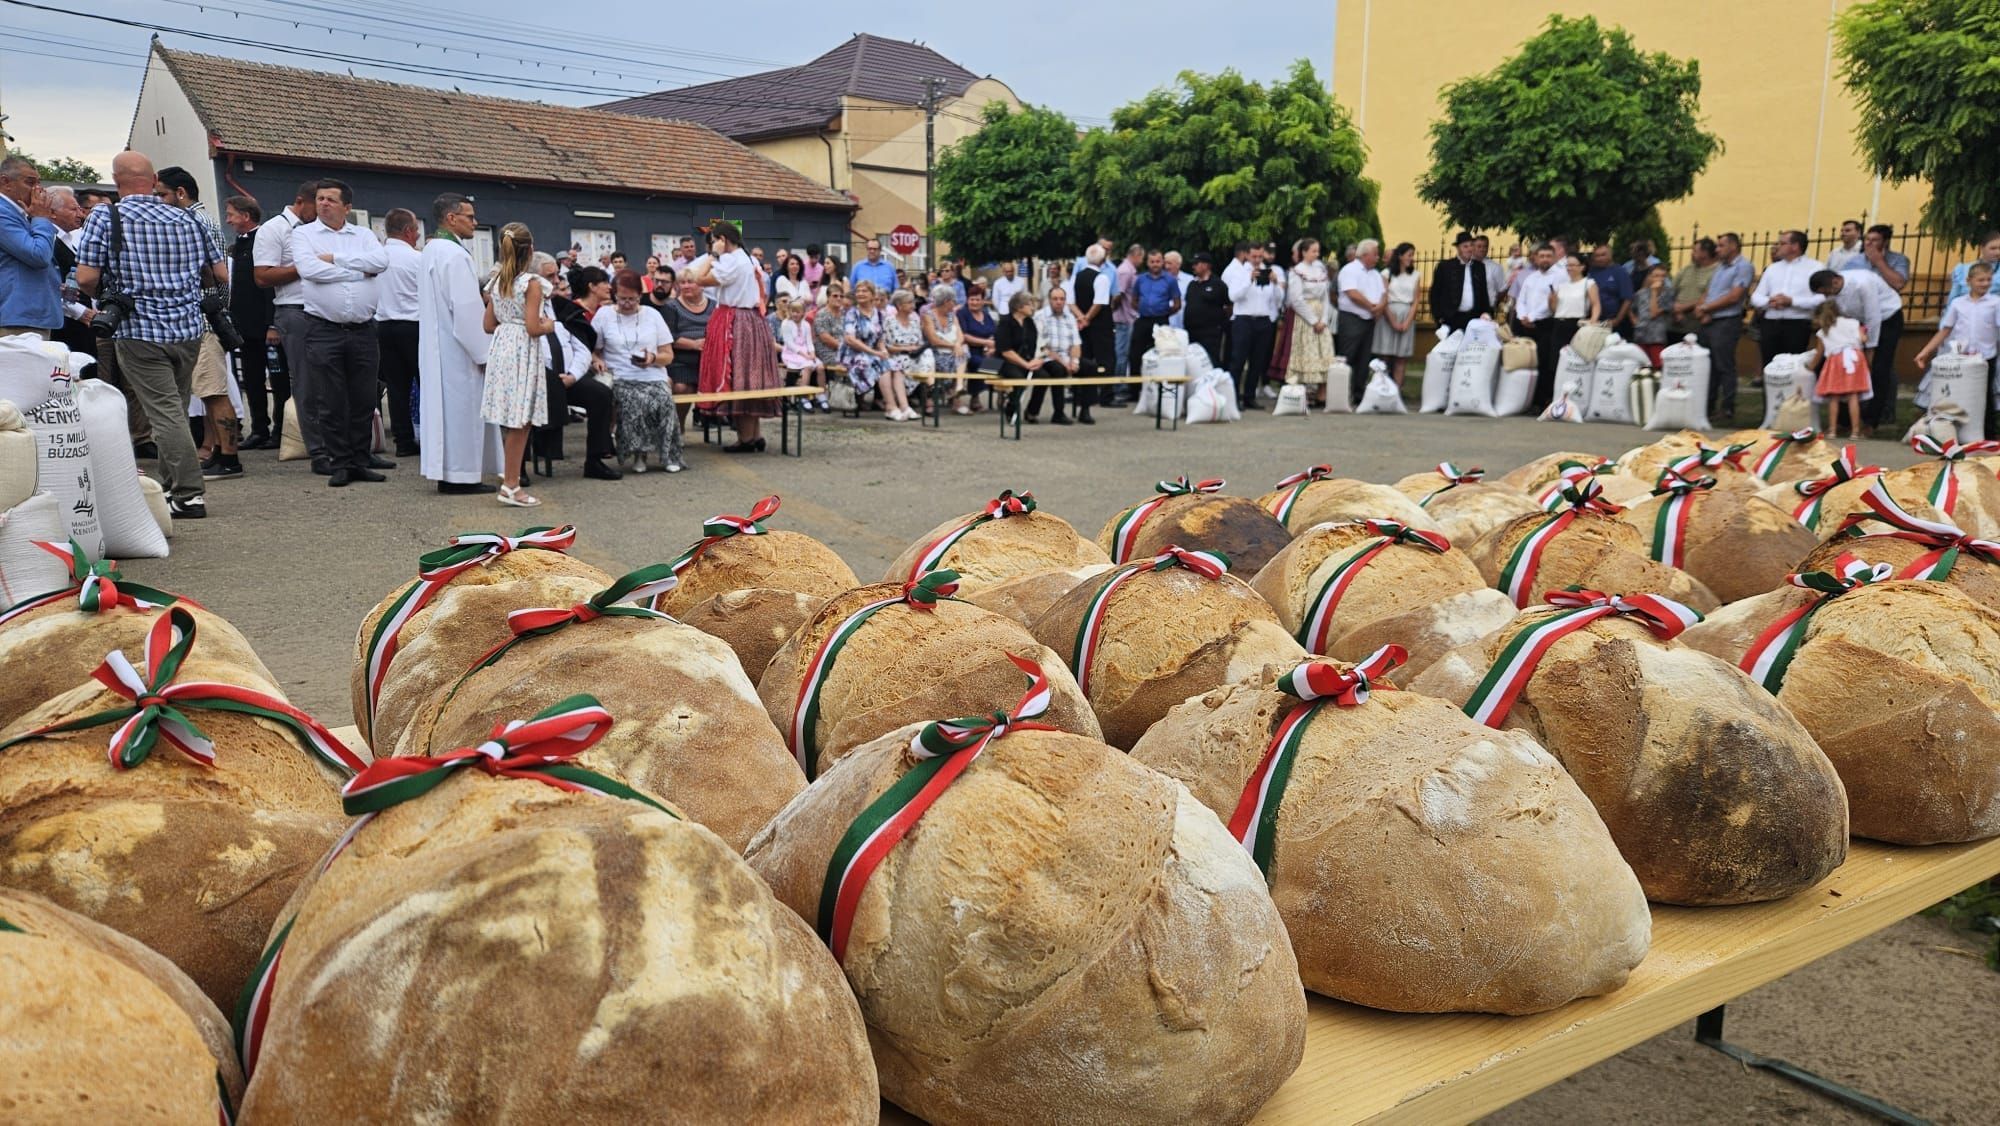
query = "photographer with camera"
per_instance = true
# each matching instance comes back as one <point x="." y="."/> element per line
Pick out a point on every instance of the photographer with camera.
<point x="222" y="430"/>
<point x="1256" y="297"/>
<point x="146" y="263"/>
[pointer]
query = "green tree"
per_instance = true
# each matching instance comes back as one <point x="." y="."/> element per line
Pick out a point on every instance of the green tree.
<point x="1213" y="160"/>
<point x="1926" y="76"/>
<point x="1004" y="191"/>
<point x="1580" y="133"/>
<point x="62" y="170"/>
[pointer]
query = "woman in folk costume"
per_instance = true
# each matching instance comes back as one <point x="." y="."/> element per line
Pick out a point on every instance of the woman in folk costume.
<point x="1304" y="350"/>
<point x="739" y="353"/>
<point x="1843" y="369"/>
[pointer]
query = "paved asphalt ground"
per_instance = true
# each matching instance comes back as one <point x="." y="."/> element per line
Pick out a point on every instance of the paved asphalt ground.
<point x="1907" y="1014"/>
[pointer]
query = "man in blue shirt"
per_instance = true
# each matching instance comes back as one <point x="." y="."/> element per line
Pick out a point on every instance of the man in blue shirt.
<point x="1159" y="297"/>
<point x="1721" y="316"/>
<point x="873" y="269"/>
<point x="1614" y="286"/>
<point x="30" y="285"/>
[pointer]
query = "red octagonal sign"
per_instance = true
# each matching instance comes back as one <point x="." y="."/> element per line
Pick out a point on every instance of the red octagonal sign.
<point x="905" y="239"/>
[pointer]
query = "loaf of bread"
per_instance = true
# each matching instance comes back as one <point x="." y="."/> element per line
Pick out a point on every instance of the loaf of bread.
<point x="1066" y="936"/>
<point x="1322" y="593"/>
<point x="1197" y="517"/>
<point x="1806" y="498"/>
<point x="1165" y="632"/>
<point x="502" y="950"/>
<point x="1407" y="874"/>
<point x="1026" y="597"/>
<point x="1468" y="510"/>
<point x="1539" y="476"/>
<point x="903" y="664"/>
<point x="1300" y="504"/>
<point x="1713" y="791"/>
<point x="101" y="1029"/>
<point x="1010" y="537"/>
<point x="1969" y="499"/>
<point x="1596" y="551"/>
<point x="1692" y="453"/>
<point x="1779" y="458"/>
<point x="506" y="573"/>
<point x="1974" y="572"/>
<point x="1735" y="543"/>
<point x="739" y="553"/>
<point x="753" y="622"/>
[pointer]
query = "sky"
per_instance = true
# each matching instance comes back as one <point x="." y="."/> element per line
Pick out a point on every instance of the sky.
<point x="68" y="83"/>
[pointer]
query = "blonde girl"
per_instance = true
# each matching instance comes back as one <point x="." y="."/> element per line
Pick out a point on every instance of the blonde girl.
<point x="516" y="395"/>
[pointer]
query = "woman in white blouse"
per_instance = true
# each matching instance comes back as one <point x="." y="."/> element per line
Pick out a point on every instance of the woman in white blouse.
<point x="1573" y="302"/>
<point x="636" y="348"/>
<point x="739" y="353"/>
<point x="1308" y="322"/>
<point x="792" y="283"/>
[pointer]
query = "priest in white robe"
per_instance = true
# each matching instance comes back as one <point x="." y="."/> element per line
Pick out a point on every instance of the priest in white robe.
<point x="459" y="449"/>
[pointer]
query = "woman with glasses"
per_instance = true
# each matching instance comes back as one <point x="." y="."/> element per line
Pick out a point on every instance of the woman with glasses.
<point x="634" y="344"/>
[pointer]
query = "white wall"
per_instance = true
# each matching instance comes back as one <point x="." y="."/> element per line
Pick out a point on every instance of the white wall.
<point x="166" y="128"/>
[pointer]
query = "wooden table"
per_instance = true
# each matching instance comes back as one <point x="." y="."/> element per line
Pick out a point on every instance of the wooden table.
<point x="1011" y="405"/>
<point x="788" y="405"/>
<point x="1363" y="1065"/>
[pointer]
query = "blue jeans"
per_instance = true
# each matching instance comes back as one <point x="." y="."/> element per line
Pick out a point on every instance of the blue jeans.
<point x="1121" y="342"/>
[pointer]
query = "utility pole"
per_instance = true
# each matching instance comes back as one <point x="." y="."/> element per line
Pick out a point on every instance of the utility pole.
<point x="931" y="88"/>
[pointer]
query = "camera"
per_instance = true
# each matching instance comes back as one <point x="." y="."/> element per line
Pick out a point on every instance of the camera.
<point x="112" y="309"/>
<point x="215" y="306"/>
<point x="1264" y="274"/>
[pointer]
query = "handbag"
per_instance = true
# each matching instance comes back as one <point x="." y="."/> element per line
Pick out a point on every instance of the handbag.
<point x="1589" y="340"/>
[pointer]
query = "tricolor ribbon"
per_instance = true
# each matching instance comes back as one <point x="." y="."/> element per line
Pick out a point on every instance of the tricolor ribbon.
<point x="1582" y="493"/>
<point x="1125" y="531"/>
<point x="1945" y="541"/>
<point x="435" y="570"/>
<point x="1771" y="654"/>
<point x="1706" y="458"/>
<point x="1768" y="463"/>
<point x="96" y="585"/>
<point x="1316" y="683"/>
<point x="1294" y="487"/>
<point x="539" y="749"/>
<point x="1670" y="520"/>
<point x="1574" y="609"/>
<point x="1568" y="473"/>
<point x="714" y="530"/>
<point x="1842" y="470"/>
<point x="1453" y="478"/>
<point x="921" y="595"/>
<point x="1001" y="507"/>
<point x="157" y="703"/>
<point x="1208" y="564"/>
<point x="1315" y="631"/>
<point x="1943" y="494"/>
<point x="942" y="752"/>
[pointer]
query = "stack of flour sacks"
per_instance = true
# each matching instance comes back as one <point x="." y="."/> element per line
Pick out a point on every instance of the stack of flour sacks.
<point x="66" y="470"/>
<point x="1600" y="377"/>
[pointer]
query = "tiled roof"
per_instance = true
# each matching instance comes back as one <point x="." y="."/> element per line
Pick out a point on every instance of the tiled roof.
<point x="803" y="99"/>
<point x="256" y="109"/>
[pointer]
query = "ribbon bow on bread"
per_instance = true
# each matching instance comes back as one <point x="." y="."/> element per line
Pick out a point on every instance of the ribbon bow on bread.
<point x="1574" y="609"/>
<point x="96" y="583"/>
<point x="1771" y="653"/>
<point x="1453" y="478"/>
<point x="1946" y="541"/>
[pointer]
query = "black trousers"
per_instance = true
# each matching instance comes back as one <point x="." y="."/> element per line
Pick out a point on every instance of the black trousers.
<point x="1142" y="342"/>
<point x="1354" y="341"/>
<point x="1250" y="340"/>
<point x="1545" y="332"/>
<point x="343" y="363"/>
<point x="1210" y="338"/>
<point x="596" y="399"/>
<point x="251" y="377"/>
<point x="1782" y="337"/>
<point x="1084" y="397"/>
<point x="399" y="374"/>
<point x="1882" y="369"/>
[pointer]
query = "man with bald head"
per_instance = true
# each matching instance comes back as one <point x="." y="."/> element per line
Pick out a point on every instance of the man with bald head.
<point x="162" y="259"/>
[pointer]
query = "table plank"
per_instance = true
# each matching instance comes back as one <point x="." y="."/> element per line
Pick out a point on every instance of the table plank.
<point x="1363" y="1065"/>
<point x="703" y="398"/>
<point x="1084" y="381"/>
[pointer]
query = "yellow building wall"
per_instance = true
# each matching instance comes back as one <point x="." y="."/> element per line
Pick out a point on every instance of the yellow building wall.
<point x="806" y="155"/>
<point x="1771" y="91"/>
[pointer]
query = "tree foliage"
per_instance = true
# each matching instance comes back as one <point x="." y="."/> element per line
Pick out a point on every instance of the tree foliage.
<point x="1926" y="75"/>
<point x="1213" y="160"/>
<point x="1005" y="191"/>
<point x="61" y="170"/>
<point x="1580" y="133"/>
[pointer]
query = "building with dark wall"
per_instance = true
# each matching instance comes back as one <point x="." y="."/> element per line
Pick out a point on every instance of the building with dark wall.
<point x="572" y="175"/>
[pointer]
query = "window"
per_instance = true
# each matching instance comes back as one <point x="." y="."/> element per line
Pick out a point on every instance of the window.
<point x="596" y="245"/>
<point x="664" y="247"/>
<point x="482" y="251"/>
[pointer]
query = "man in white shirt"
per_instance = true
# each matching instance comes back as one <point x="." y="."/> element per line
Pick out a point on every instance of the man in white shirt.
<point x="1784" y="299"/>
<point x="1006" y="285"/>
<point x="338" y="264"/>
<point x="396" y="323"/>
<point x="272" y="258"/>
<point x="1256" y="299"/>
<point x="1181" y="280"/>
<point x="1850" y="254"/>
<point x="1533" y="306"/>
<point x="1362" y="296"/>
<point x="1859" y="294"/>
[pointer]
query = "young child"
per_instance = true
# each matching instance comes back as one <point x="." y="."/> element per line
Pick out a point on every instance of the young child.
<point x="1971" y="323"/>
<point x="1843" y="368"/>
<point x="795" y="350"/>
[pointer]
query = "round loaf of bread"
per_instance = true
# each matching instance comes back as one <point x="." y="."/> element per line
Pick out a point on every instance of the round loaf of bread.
<point x="679" y="697"/>
<point x="753" y="622"/>
<point x="773" y="560"/>
<point x="1238" y="527"/>
<point x="1027" y="597"/>
<point x="907" y="665"/>
<point x="1736" y="544"/>
<point x="1466" y="512"/>
<point x="1714" y="793"/>
<point x="1597" y="552"/>
<point x="1649" y="461"/>
<point x="1800" y="461"/>
<point x="639" y="968"/>
<point x="1971" y="572"/>
<point x="1532" y="477"/>
<point x="1065" y="936"/>
<point x="92" y="1034"/>
<point x="1911" y="487"/>
<point x="476" y="602"/>
<point x="1430" y="631"/>
<point x="1165" y="635"/>
<point x="1729" y="632"/>
<point x="49" y="650"/>
<point x="1406" y="874"/>
<point x="1342" y="499"/>
<point x="997" y="550"/>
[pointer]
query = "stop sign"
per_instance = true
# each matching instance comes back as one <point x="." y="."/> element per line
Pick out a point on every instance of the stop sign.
<point x="905" y="239"/>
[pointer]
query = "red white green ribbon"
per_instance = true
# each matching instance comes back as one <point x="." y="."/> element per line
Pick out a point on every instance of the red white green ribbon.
<point x="1945" y="541"/>
<point x="1706" y="458"/>
<point x="1295" y="487"/>
<point x="1208" y="564"/>
<point x="1315" y="631"/>
<point x="1943" y="494"/>
<point x="1583" y="494"/>
<point x="1568" y="473"/>
<point x="714" y="530"/>
<point x="1126" y="531"/>
<point x="1670" y="520"/>
<point x="96" y="585"/>
<point x="1575" y="609"/>
<point x="1315" y="683"/>
<point x="1001" y="507"/>
<point x="921" y="595"/>
<point x="1768" y="463"/>
<point x="1843" y="469"/>
<point x="943" y="752"/>
<point x="435" y="571"/>
<point x="155" y="712"/>
<point x="1771" y="654"/>
<point x="1453" y="478"/>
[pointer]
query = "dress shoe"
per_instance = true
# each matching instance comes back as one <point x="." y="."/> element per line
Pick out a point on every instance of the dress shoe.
<point x="377" y="461"/>
<point x="406" y="449"/>
<point x="258" y="440"/>
<point x="322" y="466"/>
<point x="339" y="478"/>
<point x="1060" y="420"/>
<point x="754" y="446"/>
<point x="596" y="468"/>
<point x="1085" y="419"/>
<point x="368" y="475"/>
<point x="465" y="488"/>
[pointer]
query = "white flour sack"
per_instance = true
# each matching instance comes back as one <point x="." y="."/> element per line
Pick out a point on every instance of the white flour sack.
<point x="1961" y="381"/>
<point x="17" y="457"/>
<point x="28" y="373"/>
<point x="1686" y="363"/>
<point x="127" y="524"/>
<point x="27" y="570"/>
<point x="64" y="449"/>
<point x="1437" y="372"/>
<point x="1472" y="377"/>
<point x="1782" y="378"/>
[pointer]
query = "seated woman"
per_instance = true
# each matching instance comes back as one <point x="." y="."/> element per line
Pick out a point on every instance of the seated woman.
<point x="902" y="339"/>
<point x="945" y="339"/>
<point x="976" y="326"/>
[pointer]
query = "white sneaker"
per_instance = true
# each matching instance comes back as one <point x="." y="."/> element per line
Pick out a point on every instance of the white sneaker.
<point x="675" y="467"/>
<point x="638" y="465"/>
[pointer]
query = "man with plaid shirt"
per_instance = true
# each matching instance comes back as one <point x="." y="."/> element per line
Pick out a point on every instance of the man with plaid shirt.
<point x="165" y="260"/>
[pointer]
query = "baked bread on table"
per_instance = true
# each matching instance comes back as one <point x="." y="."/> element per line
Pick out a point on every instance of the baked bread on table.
<point x="1693" y="454"/>
<point x="1463" y="504"/>
<point x="1008" y="538"/>
<point x="1315" y="496"/>
<point x="1026" y="597"/>
<point x="1594" y="549"/>
<point x="1736" y="543"/>
<point x="1197" y="516"/>
<point x="1777" y="458"/>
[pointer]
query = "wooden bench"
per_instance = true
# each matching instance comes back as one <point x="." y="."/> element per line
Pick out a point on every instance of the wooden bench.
<point x="1013" y="407"/>
<point x="788" y="405"/>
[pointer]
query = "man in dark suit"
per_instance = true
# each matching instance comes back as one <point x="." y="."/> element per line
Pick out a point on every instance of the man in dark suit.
<point x="1459" y="288"/>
